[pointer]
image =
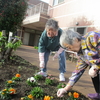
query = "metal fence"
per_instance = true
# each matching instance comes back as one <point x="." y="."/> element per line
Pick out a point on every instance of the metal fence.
<point x="35" y="9"/>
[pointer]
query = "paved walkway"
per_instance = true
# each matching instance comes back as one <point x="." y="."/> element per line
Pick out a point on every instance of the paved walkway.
<point x="84" y="85"/>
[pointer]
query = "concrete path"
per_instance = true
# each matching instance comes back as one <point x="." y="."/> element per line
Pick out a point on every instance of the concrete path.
<point x="84" y="85"/>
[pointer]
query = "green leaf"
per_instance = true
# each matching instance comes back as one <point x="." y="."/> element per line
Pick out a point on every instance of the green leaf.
<point x="0" y="34"/>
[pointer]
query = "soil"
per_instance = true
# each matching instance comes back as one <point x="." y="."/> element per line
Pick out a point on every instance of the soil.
<point x="26" y="70"/>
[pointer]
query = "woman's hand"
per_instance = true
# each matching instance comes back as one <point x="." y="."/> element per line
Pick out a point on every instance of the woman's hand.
<point x="60" y="92"/>
<point x="93" y="71"/>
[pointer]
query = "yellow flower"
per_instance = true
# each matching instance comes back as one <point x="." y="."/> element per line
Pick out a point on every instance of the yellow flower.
<point x="69" y="94"/>
<point x="10" y="81"/>
<point x="46" y="98"/>
<point x="51" y="97"/>
<point x="22" y="98"/>
<point x="3" y="93"/>
<point x="76" y="95"/>
<point x="4" y="89"/>
<point x="18" y="75"/>
<point x="30" y="96"/>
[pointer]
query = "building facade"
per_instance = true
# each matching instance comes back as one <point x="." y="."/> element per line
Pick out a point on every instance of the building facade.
<point x="78" y="15"/>
<point x="34" y="22"/>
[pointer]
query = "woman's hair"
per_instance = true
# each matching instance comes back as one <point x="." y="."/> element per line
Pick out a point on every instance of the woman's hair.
<point x="68" y="36"/>
<point x="51" y="23"/>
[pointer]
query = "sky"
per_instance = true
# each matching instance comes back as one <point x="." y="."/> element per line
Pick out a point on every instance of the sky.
<point x="47" y="1"/>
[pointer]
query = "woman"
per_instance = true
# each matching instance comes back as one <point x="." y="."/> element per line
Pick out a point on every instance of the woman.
<point x="49" y="41"/>
<point x="88" y="50"/>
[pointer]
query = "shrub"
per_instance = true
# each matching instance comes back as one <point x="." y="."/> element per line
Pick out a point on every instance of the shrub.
<point x="35" y="47"/>
<point x="38" y="77"/>
<point x="12" y="14"/>
<point x="37" y="92"/>
<point x="48" y="98"/>
<point x="10" y="83"/>
<point x="49" y="80"/>
<point x="31" y="81"/>
<point x="73" y="96"/>
<point x="17" y="77"/>
<point x="6" y="93"/>
<point x="61" y="85"/>
<point x="29" y="97"/>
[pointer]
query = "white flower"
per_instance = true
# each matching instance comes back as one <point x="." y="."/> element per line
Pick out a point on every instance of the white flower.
<point x="31" y="79"/>
<point x="28" y="79"/>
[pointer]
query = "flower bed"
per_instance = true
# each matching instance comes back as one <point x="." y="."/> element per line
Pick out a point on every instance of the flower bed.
<point x="19" y="76"/>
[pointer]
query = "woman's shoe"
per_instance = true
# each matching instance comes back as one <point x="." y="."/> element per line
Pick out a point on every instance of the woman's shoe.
<point x="94" y="96"/>
<point x="61" y="77"/>
<point x="42" y="73"/>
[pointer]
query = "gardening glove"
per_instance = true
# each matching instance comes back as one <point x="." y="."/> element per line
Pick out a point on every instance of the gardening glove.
<point x="93" y="71"/>
<point x="58" y="52"/>
<point x="60" y="92"/>
<point x="41" y="58"/>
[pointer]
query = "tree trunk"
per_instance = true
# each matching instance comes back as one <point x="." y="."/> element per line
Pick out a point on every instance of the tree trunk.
<point x="9" y="50"/>
<point x="2" y="51"/>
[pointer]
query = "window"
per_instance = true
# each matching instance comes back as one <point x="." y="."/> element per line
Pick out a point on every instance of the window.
<point x="56" y="2"/>
<point x="59" y="1"/>
<point x="81" y="30"/>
